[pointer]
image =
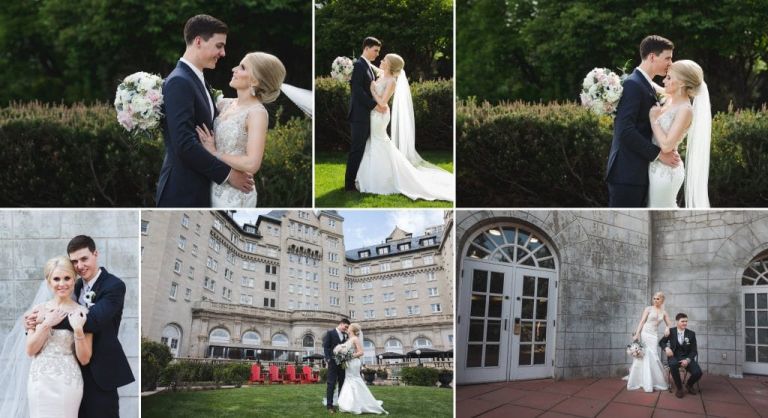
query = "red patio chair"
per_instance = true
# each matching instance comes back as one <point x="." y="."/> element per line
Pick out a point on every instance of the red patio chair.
<point x="291" y="377"/>
<point x="256" y="375"/>
<point x="274" y="375"/>
<point x="308" y="376"/>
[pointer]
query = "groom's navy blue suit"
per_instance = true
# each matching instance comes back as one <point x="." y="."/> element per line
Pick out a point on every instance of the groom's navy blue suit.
<point x="335" y="371"/>
<point x="108" y="368"/>
<point x="360" y="105"/>
<point x="188" y="169"/>
<point x="631" y="149"/>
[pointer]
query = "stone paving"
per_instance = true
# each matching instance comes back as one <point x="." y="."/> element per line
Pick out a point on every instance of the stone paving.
<point x="720" y="397"/>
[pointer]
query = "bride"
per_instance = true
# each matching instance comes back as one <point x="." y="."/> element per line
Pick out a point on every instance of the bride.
<point x="647" y="372"/>
<point x="240" y="131"/>
<point x="670" y="124"/>
<point x="394" y="166"/>
<point x="354" y="396"/>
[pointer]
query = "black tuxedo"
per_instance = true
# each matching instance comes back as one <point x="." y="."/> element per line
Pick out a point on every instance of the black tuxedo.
<point x="188" y="169"/>
<point x="361" y="103"/>
<point x="108" y="368"/>
<point x="631" y="148"/>
<point x="335" y="371"/>
<point x="686" y="351"/>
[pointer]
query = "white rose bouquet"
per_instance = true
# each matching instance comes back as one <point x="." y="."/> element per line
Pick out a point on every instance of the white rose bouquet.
<point x="636" y="349"/>
<point x="343" y="353"/>
<point x="138" y="102"/>
<point x="341" y="69"/>
<point x="601" y="91"/>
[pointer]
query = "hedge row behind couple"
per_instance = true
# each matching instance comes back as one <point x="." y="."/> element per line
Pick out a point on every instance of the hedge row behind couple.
<point x="644" y="167"/>
<point x="213" y="149"/>
<point x="72" y="336"/>
<point x="678" y="345"/>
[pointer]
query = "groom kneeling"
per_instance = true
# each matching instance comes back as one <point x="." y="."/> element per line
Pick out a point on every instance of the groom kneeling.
<point x="680" y="347"/>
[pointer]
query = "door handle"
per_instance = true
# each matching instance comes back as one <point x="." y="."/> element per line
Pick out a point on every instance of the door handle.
<point x="517" y="326"/>
<point x="505" y="324"/>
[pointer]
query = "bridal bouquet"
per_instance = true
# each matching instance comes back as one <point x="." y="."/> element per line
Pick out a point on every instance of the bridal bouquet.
<point x="341" y="69"/>
<point x="636" y="349"/>
<point x="342" y="353"/>
<point x="138" y="100"/>
<point x="601" y="91"/>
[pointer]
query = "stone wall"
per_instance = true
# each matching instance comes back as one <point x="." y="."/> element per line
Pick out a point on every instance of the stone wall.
<point x="29" y="238"/>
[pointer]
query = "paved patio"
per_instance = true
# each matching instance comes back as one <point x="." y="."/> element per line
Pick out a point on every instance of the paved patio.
<point x="720" y="397"/>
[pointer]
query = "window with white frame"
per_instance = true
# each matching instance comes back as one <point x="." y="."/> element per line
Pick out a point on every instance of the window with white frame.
<point x="436" y="308"/>
<point x="334" y="301"/>
<point x="188" y="294"/>
<point x="251" y="338"/>
<point x="217" y="224"/>
<point x="333" y="271"/>
<point x="185" y="221"/>
<point x="300" y="289"/>
<point x="290" y="288"/>
<point x="317" y="292"/>
<point x="191" y="272"/>
<point x="246" y="299"/>
<point x="247" y="281"/>
<point x="428" y="259"/>
<point x="174" y="289"/>
<point x="422" y="342"/>
<point x="209" y="284"/>
<point x="270" y="269"/>
<point x="364" y="254"/>
<point x="409" y="279"/>
<point x="382" y="250"/>
<point x="366" y="285"/>
<point x="407" y="263"/>
<point x="350" y="286"/>
<point x="390" y="312"/>
<point x="431" y="276"/>
<point x="226" y="293"/>
<point x="385" y="267"/>
<point x="367" y="299"/>
<point x="333" y="257"/>
<point x="386" y="283"/>
<point x="212" y="264"/>
<point x="369" y="314"/>
<point x="350" y="270"/>
<point x="218" y="336"/>
<point x="250" y="247"/>
<point x="432" y="291"/>
<point x="404" y="246"/>
<point x="333" y="285"/>
<point x="177" y="266"/>
<point x="144" y="227"/>
<point x="194" y="250"/>
<point x="411" y="294"/>
<point x="290" y="304"/>
<point x="249" y="265"/>
<point x="352" y="314"/>
<point x="365" y="270"/>
<point x="271" y="252"/>
<point x="350" y="299"/>
<point x="228" y="274"/>
<point x="332" y="223"/>
<point x="413" y="310"/>
<point x="231" y="257"/>
<point x="182" y="242"/>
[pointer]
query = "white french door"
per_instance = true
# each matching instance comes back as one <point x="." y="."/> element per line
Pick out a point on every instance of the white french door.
<point x="755" y="312"/>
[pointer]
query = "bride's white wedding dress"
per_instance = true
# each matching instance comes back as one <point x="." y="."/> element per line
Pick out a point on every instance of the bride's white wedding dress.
<point x="355" y="397"/>
<point x="232" y="138"/>
<point x="385" y="170"/>
<point x="664" y="182"/>
<point x="647" y="372"/>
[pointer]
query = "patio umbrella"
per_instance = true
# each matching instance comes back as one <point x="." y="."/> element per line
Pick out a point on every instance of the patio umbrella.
<point x="427" y="353"/>
<point x="390" y="354"/>
<point x="313" y="357"/>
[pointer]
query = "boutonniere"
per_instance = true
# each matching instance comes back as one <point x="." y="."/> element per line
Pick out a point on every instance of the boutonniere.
<point x="89" y="299"/>
<point x="661" y="98"/>
<point x="216" y="94"/>
<point x="687" y="341"/>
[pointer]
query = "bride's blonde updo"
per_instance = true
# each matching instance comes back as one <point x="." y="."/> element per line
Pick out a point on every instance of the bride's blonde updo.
<point x="269" y="74"/>
<point x="354" y="328"/>
<point x="56" y="263"/>
<point x="396" y="63"/>
<point x="690" y="75"/>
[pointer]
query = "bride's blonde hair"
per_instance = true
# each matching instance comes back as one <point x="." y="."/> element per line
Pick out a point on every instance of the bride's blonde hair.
<point x="396" y="63"/>
<point x="690" y="75"/>
<point x="354" y="328"/>
<point x="268" y="72"/>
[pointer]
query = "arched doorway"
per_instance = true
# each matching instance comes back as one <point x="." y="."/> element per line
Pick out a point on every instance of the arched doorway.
<point x="507" y="305"/>
<point x="171" y="337"/>
<point x="754" y="284"/>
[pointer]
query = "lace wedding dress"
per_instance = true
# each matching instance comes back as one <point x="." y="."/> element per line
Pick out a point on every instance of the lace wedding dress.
<point x="355" y="397"/>
<point x="385" y="170"/>
<point x="55" y="385"/>
<point x="664" y="182"/>
<point x="232" y="138"/>
<point x="647" y="372"/>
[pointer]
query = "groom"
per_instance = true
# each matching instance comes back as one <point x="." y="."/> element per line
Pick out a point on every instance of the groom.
<point x="680" y="348"/>
<point x="632" y="149"/>
<point x="188" y="169"/>
<point x="332" y="338"/>
<point x="360" y="105"/>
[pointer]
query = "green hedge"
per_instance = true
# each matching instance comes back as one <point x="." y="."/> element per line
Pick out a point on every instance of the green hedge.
<point x="78" y="156"/>
<point x="419" y="376"/>
<point x="554" y="155"/>
<point x="186" y="373"/>
<point x="154" y="358"/>
<point x="432" y="107"/>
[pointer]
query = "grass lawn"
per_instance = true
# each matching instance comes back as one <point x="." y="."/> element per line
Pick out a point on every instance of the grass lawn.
<point x="292" y="401"/>
<point x="329" y="185"/>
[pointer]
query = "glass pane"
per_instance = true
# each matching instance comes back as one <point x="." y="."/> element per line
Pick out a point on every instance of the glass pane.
<point x="746" y="281"/>
<point x="749" y="318"/>
<point x="526" y="261"/>
<point x="491" y="355"/>
<point x="762" y="336"/>
<point x="548" y="263"/>
<point x="762" y="319"/>
<point x="476" y="330"/>
<point x="482" y="241"/>
<point x="475" y="252"/>
<point x="526" y="332"/>
<point x="480" y="281"/>
<point x="540" y="332"/>
<point x="750" y="273"/>
<point x="762" y="354"/>
<point x="522" y="237"/>
<point x="529" y="286"/>
<point x="749" y="301"/>
<point x="539" y="354"/>
<point x="494" y="331"/>
<point x="495" y="236"/>
<point x="542" y="252"/>
<point x="499" y="257"/>
<point x="494" y="306"/>
<point x="478" y="305"/>
<point x="527" y="309"/>
<point x="509" y="252"/>
<point x="534" y="244"/>
<point x="497" y="282"/>
<point x="749" y="352"/>
<point x="509" y="234"/>
<point x="525" y="355"/>
<point x="749" y="336"/>
<point x="542" y="290"/>
<point x="762" y="301"/>
<point x="474" y="355"/>
<point x="761" y="281"/>
<point x="541" y="308"/>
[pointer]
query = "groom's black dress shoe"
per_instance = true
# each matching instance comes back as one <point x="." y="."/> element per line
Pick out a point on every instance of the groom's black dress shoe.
<point x="691" y="389"/>
<point x="679" y="393"/>
<point x="331" y="410"/>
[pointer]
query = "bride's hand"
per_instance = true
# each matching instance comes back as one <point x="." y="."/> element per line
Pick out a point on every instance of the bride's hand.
<point x="206" y="138"/>
<point x="666" y="331"/>
<point x="77" y="320"/>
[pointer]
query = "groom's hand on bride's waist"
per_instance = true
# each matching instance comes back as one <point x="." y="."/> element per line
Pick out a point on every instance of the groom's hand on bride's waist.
<point x="671" y="158"/>
<point x="381" y="109"/>
<point x="241" y="181"/>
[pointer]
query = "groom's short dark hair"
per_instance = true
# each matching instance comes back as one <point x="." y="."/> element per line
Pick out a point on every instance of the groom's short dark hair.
<point x="371" y="41"/>
<point x="344" y="321"/>
<point x="204" y="26"/>
<point x="680" y="316"/>
<point x="79" y="242"/>
<point x="654" y="44"/>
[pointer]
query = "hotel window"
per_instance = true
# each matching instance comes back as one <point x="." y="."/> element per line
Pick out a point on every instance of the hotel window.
<point x="228" y="274"/>
<point x="352" y="314"/>
<point x="226" y="293"/>
<point x="230" y="257"/>
<point x="408" y="263"/>
<point x="369" y="314"/>
<point x="367" y="299"/>
<point x="247" y="281"/>
<point x="414" y="310"/>
<point x="270" y="269"/>
<point x="390" y="312"/>
<point x="269" y="302"/>
<point x="212" y="264"/>
<point x="144" y="227"/>
<point x="217" y="224"/>
<point x="188" y="294"/>
<point x="334" y="285"/>
<point x="182" y="242"/>
<point x="365" y="270"/>
<point x="209" y="284"/>
<point x="177" y="266"/>
<point x="185" y="221"/>
<point x="432" y="291"/>
<point x="194" y="250"/>
<point x="410" y="279"/>
<point x="334" y="301"/>
<point x="174" y="288"/>
<point x="350" y="286"/>
<point x="388" y="296"/>
<point x="364" y="254"/>
<point x="191" y="272"/>
<point x="411" y="294"/>
<point x="428" y="259"/>
<point x="436" y="308"/>
<point x="431" y="276"/>
<point x="250" y="247"/>
<point x="385" y="267"/>
<point x="246" y="299"/>
<point x="350" y="299"/>
<point x="404" y="246"/>
<point x="382" y="250"/>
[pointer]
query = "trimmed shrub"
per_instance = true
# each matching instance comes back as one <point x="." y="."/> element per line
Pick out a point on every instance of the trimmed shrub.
<point x="432" y="107"/>
<point x="555" y="155"/>
<point x="419" y="376"/>
<point x="323" y="374"/>
<point x="78" y="156"/>
<point x="154" y="357"/>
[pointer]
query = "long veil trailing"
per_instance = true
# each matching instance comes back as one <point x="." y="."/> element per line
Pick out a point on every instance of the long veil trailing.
<point x="404" y="123"/>
<point x="300" y="97"/>
<point x="14" y="364"/>
<point x="697" y="154"/>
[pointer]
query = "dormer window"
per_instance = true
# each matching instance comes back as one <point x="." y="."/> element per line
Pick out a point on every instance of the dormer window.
<point x="404" y="247"/>
<point x="382" y="250"/>
<point x="364" y="254"/>
<point x="428" y="241"/>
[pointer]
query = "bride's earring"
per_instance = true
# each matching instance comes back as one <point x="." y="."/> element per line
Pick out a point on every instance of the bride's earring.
<point x="253" y="91"/>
